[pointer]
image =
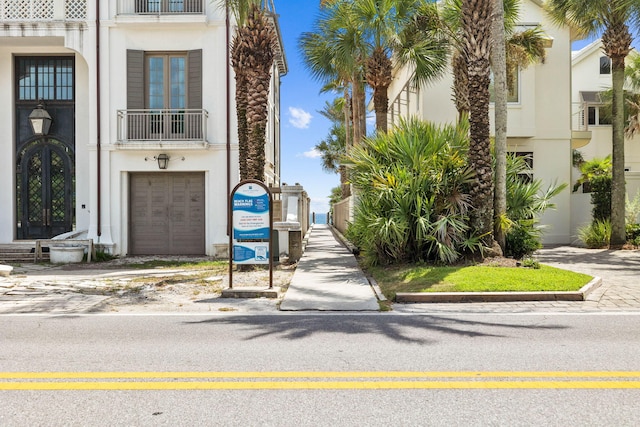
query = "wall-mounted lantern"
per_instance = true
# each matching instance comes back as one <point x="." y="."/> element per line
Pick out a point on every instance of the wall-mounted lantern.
<point x="163" y="161"/>
<point x="40" y="120"/>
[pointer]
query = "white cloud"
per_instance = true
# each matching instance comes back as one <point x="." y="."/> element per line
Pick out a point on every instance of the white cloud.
<point x="312" y="154"/>
<point x="299" y="118"/>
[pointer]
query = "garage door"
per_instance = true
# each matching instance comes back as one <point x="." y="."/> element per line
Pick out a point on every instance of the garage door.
<point x="167" y="214"/>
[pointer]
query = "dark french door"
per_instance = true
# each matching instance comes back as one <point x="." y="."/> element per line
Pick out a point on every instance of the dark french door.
<point x="45" y="190"/>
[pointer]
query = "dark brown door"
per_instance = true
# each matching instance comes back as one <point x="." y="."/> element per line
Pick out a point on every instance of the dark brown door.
<point x="167" y="214"/>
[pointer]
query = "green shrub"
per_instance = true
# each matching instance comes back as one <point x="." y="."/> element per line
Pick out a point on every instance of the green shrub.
<point x="531" y="263"/>
<point x="601" y="197"/>
<point x="412" y="203"/>
<point x="596" y="235"/>
<point x="522" y="239"/>
<point x="633" y="234"/>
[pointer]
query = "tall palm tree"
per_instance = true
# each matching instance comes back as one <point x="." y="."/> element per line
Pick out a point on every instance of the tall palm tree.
<point x="252" y="56"/>
<point x="333" y="52"/>
<point x="401" y="31"/>
<point x="612" y="17"/>
<point x="333" y="147"/>
<point x="476" y="37"/>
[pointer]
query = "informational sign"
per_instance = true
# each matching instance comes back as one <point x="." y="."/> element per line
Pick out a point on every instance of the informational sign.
<point x="250" y="206"/>
<point x="251" y="252"/>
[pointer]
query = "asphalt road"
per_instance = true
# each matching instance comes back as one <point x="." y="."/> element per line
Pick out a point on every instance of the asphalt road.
<point x="321" y="369"/>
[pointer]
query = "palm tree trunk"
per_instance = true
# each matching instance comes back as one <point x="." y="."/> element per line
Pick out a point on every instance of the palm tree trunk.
<point x="618" y="190"/>
<point x="477" y="36"/>
<point x="499" y="66"/>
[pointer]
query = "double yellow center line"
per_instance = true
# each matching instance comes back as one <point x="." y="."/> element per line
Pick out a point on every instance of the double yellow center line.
<point x="316" y="380"/>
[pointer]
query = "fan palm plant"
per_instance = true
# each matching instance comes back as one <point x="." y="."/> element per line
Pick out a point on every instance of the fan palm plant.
<point x="412" y="202"/>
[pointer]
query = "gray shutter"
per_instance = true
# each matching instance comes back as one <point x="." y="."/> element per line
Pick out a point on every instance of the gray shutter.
<point x="135" y="79"/>
<point x="194" y="85"/>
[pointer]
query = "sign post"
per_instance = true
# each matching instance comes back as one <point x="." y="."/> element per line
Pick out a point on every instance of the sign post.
<point x="251" y="236"/>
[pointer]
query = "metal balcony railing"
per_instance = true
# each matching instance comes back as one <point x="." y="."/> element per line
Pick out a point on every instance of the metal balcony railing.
<point x="188" y="125"/>
<point x="160" y="7"/>
<point x="42" y="10"/>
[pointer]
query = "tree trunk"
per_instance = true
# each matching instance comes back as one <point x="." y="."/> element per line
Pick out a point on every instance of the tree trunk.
<point x="618" y="190"/>
<point x="499" y="66"/>
<point x="476" y="23"/>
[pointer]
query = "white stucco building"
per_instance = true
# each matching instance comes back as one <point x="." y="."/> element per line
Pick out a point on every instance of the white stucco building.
<point x="591" y="75"/>
<point x="142" y="149"/>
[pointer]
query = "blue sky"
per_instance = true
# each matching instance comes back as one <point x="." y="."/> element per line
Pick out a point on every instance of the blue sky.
<point x="301" y="125"/>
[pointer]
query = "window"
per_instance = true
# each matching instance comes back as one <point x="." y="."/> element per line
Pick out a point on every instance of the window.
<point x="527" y="175"/>
<point x="514" y="93"/>
<point x="164" y="94"/>
<point x="605" y="65"/>
<point x="599" y="115"/>
<point x="45" y="78"/>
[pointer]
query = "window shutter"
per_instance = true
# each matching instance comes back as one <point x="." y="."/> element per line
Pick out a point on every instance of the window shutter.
<point x="135" y="79"/>
<point x="194" y="85"/>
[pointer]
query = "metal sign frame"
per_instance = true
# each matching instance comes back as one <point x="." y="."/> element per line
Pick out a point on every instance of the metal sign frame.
<point x="232" y="231"/>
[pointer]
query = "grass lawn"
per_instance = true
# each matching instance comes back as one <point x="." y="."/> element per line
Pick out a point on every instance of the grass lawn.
<point x="477" y="278"/>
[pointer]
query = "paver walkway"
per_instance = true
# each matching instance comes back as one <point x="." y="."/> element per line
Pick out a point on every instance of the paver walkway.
<point x="328" y="278"/>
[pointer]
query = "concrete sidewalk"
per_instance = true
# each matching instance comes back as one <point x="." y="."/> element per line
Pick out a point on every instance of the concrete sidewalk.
<point x="328" y="278"/>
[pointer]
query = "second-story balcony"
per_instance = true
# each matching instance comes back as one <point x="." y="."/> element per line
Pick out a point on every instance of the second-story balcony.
<point x="169" y="127"/>
<point x="161" y="7"/>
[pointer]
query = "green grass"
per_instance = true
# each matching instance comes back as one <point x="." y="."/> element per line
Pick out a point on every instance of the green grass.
<point x="424" y="278"/>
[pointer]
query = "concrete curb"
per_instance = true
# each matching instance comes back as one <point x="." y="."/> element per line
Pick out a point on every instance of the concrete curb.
<point x="250" y="292"/>
<point x="448" y="297"/>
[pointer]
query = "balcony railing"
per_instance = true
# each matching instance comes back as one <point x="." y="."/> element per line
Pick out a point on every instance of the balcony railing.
<point x="160" y="7"/>
<point x="42" y="10"/>
<point x="156" y="126"/>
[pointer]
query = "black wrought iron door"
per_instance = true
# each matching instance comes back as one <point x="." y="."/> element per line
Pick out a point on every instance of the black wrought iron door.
<point x="46" y="191"/>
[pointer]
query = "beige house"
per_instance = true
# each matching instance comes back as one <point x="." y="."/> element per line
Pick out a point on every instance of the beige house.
<point x="142" y="148"/>
<point x="591" y="75"/>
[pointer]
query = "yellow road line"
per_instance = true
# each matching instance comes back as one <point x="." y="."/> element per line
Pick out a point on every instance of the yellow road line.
<point x="323" y="380"/>
<point x="324" y="375"/>
<point x="318" y="385"/>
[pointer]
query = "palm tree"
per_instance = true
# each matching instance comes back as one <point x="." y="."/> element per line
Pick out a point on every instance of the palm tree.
<point x="511" y="51"/>
<point x="476" y="31"/>
<point x="252" y="56"/>
<point x="613" y="16"/>
<point x="404" y="31"/>
<point x="333" y="52"/>
<point x="334" y="147"/>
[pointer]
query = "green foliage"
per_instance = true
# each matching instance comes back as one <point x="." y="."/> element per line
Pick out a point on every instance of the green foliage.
<point x="632" y="209"/>
<point x="633" y="234"/>
<point x="412" y="203"/>
<point x="102" y="256"/>
<point x="596" y="235"/>
<point x="522" y="239"/>
<point x="531" y="263"/>
<point x="601" y="197"/>
<point x="596" y="179"/>
<point x="526" y="201"/>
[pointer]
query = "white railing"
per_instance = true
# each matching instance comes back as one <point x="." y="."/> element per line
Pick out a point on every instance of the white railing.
<point x="42" y="10"/>
<point x="160" y="7"/>
<point x="188" y="125"/>
<point x="579" y="116"/>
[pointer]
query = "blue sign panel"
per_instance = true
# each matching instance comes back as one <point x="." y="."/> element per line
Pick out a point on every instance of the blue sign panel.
<point x="250" y="213"/>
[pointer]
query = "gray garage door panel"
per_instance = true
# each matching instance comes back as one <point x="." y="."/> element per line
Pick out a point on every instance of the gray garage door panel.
<point x="167" y="214"/>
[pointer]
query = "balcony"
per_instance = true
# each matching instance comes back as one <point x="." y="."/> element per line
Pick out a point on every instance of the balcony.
<point x="162" y="128"/>
<point x="161" y="7"/>
<point x="42" y="10"/>
<point x="580" y="133"/>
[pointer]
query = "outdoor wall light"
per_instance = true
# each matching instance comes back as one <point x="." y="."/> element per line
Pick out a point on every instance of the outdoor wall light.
<point x="163" y="161"/>
<point x="40" y="120"/>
